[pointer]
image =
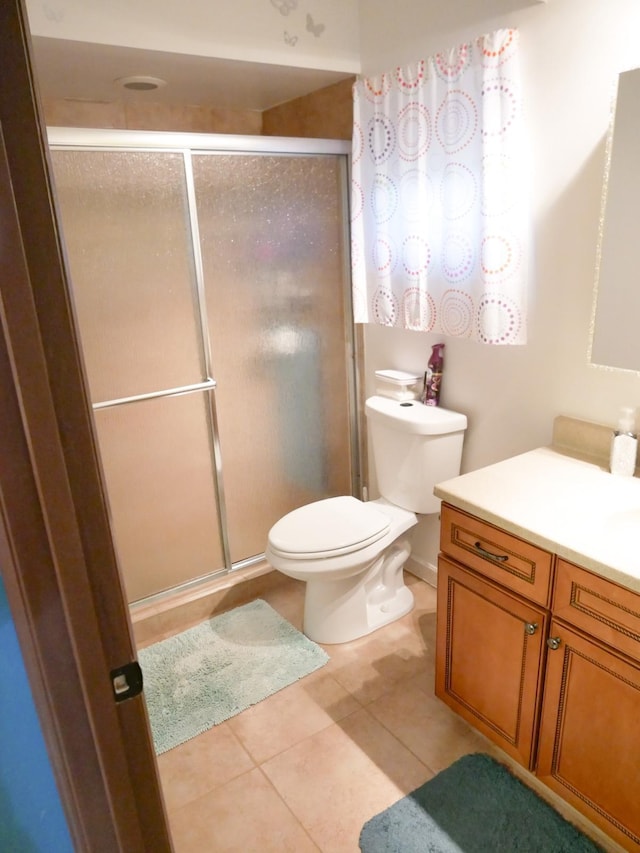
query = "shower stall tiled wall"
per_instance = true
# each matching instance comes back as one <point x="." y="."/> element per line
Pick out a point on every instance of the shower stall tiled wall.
<point x="210" y="282"/>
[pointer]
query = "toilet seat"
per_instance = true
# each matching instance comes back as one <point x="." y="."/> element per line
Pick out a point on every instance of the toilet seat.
<point x="328" y="528"/>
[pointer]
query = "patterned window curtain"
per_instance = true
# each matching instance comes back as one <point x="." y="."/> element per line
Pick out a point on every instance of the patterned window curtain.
<point x="439" y="195"/>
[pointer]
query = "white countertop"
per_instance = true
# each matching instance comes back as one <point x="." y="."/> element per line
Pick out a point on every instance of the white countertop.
<point x="568" y="506"/>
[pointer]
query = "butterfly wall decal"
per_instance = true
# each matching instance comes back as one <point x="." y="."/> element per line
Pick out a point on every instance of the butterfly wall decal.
<point x="312" y="27"/>
<point x="284" y="6"/>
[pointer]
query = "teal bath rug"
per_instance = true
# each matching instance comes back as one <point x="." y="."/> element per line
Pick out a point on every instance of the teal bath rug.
<point x="475" y="806"/>
<point x="211" y="672"/>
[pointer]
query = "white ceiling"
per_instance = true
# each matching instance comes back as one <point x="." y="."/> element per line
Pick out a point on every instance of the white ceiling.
<point x="87" y="71"/>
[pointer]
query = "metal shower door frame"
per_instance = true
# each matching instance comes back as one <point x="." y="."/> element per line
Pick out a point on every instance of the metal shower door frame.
<point x="188" y="145"/>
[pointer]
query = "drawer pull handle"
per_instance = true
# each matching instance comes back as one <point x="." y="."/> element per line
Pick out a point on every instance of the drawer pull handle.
<point x="530" y="627"/>
<point x="501" y="558"/>
<point x="554" y="642"/>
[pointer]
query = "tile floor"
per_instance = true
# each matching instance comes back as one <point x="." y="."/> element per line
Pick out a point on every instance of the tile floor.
<point x="306" y="768"/>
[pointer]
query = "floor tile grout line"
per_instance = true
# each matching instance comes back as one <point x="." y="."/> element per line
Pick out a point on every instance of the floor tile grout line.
<point x="288" y="807"/>
<point x="329" y="723"/>
<point x="217" y="785"/>
<point x="400" y="741"/>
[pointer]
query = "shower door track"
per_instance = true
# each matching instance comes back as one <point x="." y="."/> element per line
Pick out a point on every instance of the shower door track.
<point x="187" y="144"/>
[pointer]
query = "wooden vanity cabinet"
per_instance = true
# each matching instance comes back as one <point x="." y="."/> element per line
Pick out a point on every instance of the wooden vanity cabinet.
<point x="562" y="698"/>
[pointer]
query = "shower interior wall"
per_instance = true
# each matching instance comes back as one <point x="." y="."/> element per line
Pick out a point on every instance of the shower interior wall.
<point x="325" y="114"/>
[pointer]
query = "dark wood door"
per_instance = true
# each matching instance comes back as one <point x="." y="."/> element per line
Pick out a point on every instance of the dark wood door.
<point x="589" y="750"/>
<point x="56" y="553"/>
<point x="489" y="656"/>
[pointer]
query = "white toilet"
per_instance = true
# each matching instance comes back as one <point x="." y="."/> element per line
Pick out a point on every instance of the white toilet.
<point x="351" y="553"/>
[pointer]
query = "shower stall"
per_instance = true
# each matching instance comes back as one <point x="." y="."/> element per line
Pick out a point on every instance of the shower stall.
<point x="210" y="282"/>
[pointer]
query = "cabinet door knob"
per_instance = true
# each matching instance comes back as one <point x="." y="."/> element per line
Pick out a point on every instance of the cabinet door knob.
<point x="554" y="642"/>
<point x="530" y="627"/>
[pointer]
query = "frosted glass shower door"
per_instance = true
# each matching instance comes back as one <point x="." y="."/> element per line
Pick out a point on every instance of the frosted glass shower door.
<point x="157" y="461"/>
<point x="126" y="225"/>
<point x="272" y="239"/>
<point x="193" y="266"/>
<point x="128" y="240"/>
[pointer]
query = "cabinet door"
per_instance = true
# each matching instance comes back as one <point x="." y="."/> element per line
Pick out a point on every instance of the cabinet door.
<point x="489" y="657"/>
<point x="590" y="733"/>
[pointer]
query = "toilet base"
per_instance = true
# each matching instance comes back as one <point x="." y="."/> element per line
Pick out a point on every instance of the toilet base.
<point x="349" y="608"/>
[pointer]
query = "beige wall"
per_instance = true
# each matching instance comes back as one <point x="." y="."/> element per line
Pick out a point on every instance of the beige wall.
<point x="119" y="115"/>
<point x="325" y="114"/>
<point x="572" y="52"/>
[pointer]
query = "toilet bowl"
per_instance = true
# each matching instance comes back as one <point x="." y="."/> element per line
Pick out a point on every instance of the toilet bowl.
<point x="351" y="556"/>
<point x="351" y="553"/>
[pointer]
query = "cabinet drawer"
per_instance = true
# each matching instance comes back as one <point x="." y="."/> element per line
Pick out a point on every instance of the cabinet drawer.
<point x="512" y="562"/>
<point x="599" y="607"/>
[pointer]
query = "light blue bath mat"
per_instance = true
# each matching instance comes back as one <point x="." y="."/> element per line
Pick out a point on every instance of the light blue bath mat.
<point x="211" y="672"/>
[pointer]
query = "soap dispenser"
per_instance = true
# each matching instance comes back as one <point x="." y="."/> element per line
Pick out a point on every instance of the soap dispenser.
<point x="624" y="444"/>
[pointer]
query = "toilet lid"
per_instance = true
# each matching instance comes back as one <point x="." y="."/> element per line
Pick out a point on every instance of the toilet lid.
<point x="328" y="528"/>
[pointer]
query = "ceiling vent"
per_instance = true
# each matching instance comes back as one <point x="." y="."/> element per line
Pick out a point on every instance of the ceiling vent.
<point x="140" y="83"/>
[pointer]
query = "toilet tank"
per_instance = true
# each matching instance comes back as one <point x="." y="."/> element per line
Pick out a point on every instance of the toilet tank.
<point x="414" y="447"/>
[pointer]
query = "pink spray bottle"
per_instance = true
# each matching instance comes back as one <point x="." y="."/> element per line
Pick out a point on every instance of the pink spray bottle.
<point x="433" y="376"/>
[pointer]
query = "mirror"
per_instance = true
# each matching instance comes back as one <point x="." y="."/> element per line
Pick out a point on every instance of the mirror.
<point x="616" y="319"/>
